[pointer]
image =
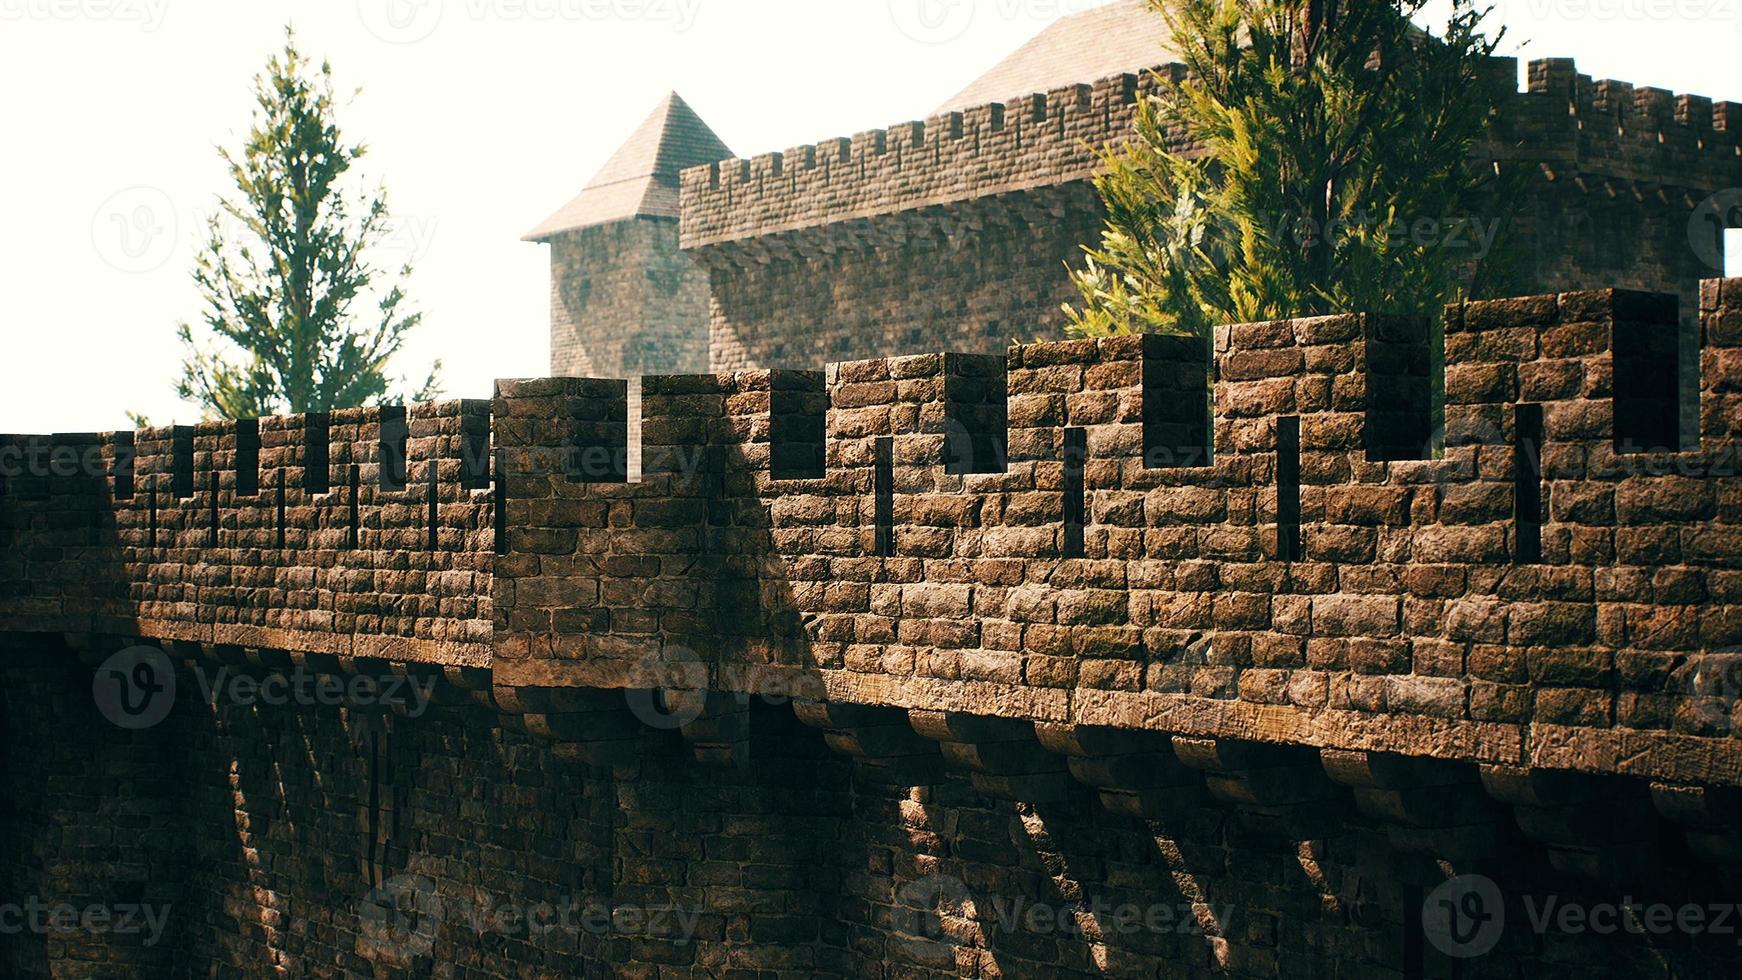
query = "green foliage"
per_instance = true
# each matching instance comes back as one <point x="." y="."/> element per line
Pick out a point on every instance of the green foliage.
<point x="1335" y="169"/>
<point x="286" y="275"/>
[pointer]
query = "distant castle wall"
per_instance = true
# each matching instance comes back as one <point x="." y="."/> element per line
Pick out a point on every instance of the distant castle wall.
<point x="975" y="278"/>
<point x="952" y="233"/>
<point x="955" y="232"/>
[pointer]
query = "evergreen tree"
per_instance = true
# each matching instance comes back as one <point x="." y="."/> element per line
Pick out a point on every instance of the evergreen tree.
<point x="1335" y="168"/>
<point x="286" y="274"/>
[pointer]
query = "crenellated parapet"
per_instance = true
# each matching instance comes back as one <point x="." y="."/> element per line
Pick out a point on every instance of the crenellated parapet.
<point x="364" y="533"/>
<point x="811" y="198"/>
<point x="1617" y="130"/>
<point x="1291" y="533"/>
<point x="1537" y="575"/>
<point x="1037" y="141"/>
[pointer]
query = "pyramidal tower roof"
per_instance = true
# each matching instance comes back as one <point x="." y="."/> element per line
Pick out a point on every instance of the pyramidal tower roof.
<point x="641" y="178"/>
<point x="1123" y="36"/>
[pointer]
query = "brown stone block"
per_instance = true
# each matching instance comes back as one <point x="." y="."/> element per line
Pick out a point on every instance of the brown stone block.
<point x="1442" y="697"/>
<point x="1354" y="615"/>
<point x="1254" y="365"/>
<point x="1448" y="545"/>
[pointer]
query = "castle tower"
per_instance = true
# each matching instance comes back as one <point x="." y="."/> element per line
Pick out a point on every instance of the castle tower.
<point x="624" y="300"/>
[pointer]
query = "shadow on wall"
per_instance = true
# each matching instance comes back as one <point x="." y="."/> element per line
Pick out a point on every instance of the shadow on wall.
<point x="975" y="283"/>
<point x="93" y="830"/>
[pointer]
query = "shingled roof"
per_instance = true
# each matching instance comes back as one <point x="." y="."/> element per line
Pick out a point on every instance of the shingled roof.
<point x="1122" y="36"/>
<point x="640" y="179"/>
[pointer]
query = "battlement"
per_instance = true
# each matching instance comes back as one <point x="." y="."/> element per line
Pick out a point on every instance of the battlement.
<point x="1643" y="109"/>
<point x="1068" y="535"/>
<point x="363" y="533"/>
<point x="1273" y="534"/>
<point x="1039" y="139"/>
<point x="1562" y="120"/>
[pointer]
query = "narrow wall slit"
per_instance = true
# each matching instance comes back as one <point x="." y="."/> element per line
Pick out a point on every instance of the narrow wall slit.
<point x="1176" y="402"/>
<point x="151" y="518"/>
<point x="372" y="826"/>
<point x="1527" y="484"/>
<point x="499" y="491"/>
<point x="1401" y="418"/>
<point x="883" y="481"/>
<point x="356" y="530"/>
<point x="597" y="448"/>
<point x="281" y="509"/>
<point x="381" y="820"/>
<point x="1288" y="488"/>
<point x="1414" y="950"/>
<point x="212" y="512"/>
<point x="434" y="537"/>
<point x="1076" y="458"/>
<point x="1647" y="384"/>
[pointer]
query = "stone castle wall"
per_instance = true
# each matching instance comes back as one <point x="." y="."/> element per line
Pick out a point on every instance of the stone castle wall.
<point x="360" y="533"/>
<point x="898" y="241"/>
<point x="1304" y="566"/>
<point x="868" y="659"/>
<point x="1082" y="538"/>
<point x="974" y="291"/>
<point x="322" y="842"/>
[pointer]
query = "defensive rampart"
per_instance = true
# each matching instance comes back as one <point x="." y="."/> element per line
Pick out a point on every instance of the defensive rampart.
<point x="1278" y="628"/>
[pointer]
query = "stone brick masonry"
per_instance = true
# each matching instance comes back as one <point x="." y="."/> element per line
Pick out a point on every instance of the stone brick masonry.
<point x="607" y="278"/>
<point x="953" y="232"/>
<point x="937" y="665"/>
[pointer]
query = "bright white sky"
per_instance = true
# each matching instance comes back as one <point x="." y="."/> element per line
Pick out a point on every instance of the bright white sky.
<point x="484" y="116"/>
